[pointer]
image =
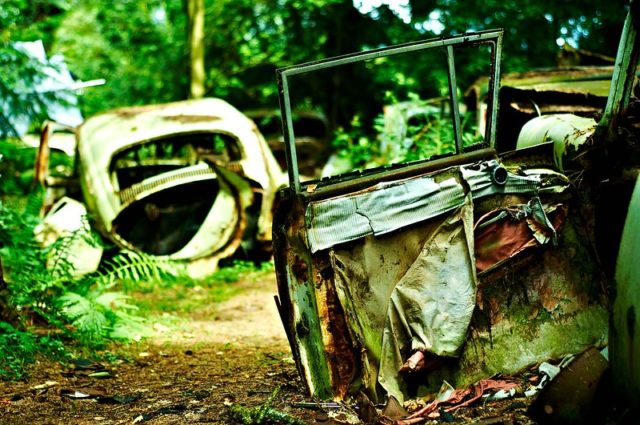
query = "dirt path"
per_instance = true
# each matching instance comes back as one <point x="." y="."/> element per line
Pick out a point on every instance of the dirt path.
<point x="205" y="355"/>
<point x="232" y="352"/>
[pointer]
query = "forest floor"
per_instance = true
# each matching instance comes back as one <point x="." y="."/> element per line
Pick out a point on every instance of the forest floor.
<point x="211" y="349"/>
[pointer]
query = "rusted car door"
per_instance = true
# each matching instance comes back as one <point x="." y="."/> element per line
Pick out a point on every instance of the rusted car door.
<point x="482" y="262"/>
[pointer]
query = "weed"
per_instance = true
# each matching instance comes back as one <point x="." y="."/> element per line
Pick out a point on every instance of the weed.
<point x="263" y="414"/>
<point x="19" y="348"/>
<point x="84" y="309"/>
<point x="238" y="268"/>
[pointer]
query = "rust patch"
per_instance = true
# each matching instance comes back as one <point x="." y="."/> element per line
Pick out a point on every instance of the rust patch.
<point x="335" y="332"/>
<point x="546" y="294"/>
<point x="300" y="269"/>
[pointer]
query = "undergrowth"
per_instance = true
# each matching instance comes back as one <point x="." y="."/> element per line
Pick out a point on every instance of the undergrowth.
<point x="57" y="314"/>
<point x="19" y="348"/>
<point x="185" y="295"/>
<point x="427" y="135"/>
<point x="232" y="272"/>
<point x="46" y="308"/>
<point x="263" y="414"/>
<point x="40" y="292"/>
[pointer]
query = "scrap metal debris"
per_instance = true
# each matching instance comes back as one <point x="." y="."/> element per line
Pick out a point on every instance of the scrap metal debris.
<point x="461" y="398"/>
<point x="569" y="396"/>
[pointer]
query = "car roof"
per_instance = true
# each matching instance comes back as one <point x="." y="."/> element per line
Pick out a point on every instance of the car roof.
<point x="111" y="132"/>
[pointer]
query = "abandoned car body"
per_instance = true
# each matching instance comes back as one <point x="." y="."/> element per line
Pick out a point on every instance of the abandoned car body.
<point x="484" y="262"/>
<point x="578" y="91"/>
<point x="188" y="180"/>
<point x="311" y="138"/>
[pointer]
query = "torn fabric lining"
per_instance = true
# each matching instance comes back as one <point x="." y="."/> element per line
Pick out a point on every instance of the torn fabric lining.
<point x="424" y="301"/>
<point x="481" y="183"/>
<point x="502" y="234"/>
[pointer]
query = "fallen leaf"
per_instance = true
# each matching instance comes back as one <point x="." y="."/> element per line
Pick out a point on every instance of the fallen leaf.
<point x="85" y="392"/>
<point x="47" y="384"/>
<point x="74" y="394"/>
<point x="120" y="399"/>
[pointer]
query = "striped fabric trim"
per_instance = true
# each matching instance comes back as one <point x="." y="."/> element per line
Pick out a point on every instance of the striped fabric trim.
<point x="193" y="173"/>
<point x="385" y="208"/>
<point x="393" y="205"/>
<point x="478" y="176"/>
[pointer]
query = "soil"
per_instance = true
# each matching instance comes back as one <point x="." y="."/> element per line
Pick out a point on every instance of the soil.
<point x="218" y="355"/>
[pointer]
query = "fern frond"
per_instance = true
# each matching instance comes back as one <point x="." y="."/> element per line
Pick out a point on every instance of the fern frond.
<point x="115" y="301"/>
<point x="84" y="314"/>
<point x="135" y="266"/>
<point x="128" y="327"/>
<point x="58" y="253"/>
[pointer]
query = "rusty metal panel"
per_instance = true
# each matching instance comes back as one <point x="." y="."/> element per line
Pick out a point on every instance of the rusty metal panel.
<point x="623" y="73"/>
<point x="567" y="132"/>
<point x="625" y="326"/>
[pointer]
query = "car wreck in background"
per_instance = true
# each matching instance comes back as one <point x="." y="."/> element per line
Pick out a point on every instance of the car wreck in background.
<point x="579" y="90"/>
<point x="191" y="181"/>
<point x="484" y="261"/>
<point x="311" y="138"/>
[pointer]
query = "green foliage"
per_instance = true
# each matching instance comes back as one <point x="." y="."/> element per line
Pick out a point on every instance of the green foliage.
<point x="24" y="262"/>
<point x="19" y="348"/>
<point x="235" y="270"/>
<point x="130" y="266"/>
<point x="263" y="414"/>
<point x="532" y="27"/>
<point x="86" y="309"/>
<point x="20" y="72"/>
<point x="139" y="47"/>
<point x="17" y="167"/>
<point x="428" y="134"/>
<point x="183" y="294"/>
<point x="97" y="315"/>
<point x="355" y="145"/>
<point x="24" y="20"/>
<point x="433" y="137"/>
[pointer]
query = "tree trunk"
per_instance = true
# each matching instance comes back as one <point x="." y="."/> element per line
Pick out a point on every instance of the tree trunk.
<point x="196" y="48"/>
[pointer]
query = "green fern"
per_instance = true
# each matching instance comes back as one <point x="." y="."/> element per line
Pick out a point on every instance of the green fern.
<point x="138" y="267"/>
<point x="98" y="315"/>
<point x="85" y="315"/>
<point x="24" y="262"/>
<point x="58" y="252"/>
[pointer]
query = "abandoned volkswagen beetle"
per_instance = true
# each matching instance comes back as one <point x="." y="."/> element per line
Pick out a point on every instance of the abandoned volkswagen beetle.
<point x="188" y="180"/>
<point x="396" y="278"/>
